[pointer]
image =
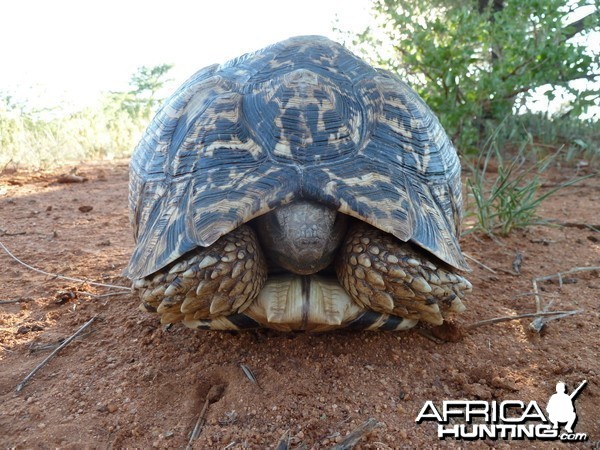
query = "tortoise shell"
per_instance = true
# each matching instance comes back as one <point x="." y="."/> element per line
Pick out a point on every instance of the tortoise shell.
<point x="301" y="119"/>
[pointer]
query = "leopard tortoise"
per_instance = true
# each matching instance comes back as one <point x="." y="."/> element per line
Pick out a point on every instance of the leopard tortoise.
<point x="296" y="188"/>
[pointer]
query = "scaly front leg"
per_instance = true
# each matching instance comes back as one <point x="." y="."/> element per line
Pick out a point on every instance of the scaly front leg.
<point x="207" y="283"/>
<point x="389" y="276"/>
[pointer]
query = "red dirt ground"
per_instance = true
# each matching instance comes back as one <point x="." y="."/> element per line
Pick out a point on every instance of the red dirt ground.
<point x="129" y="383"/>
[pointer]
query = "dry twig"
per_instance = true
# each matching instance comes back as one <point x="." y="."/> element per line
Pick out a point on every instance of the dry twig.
<point x="523" y="316"/>
<point x="53" y="275"/>
<point x="112" y="294"/>
<point x="284" y="441"/>
<point x="541" y="315"/>
<point x="581" y="226"/>
<point x="559" y="275"/>
<point x="516" y="265"/>
<point x="537" y="324"/>
<point x="214" y="393"/>
<point x="427" y="334"/>
<point x="16" y="300"/>
<point x="249" y="374"/>
<point x="35" y="347"/>
<point x="17" y="233"/>
<point x="352" y="439"/>
<point x="66" y="342"/>
<point x="508" y="272"/>
<point x="479" y="263"/>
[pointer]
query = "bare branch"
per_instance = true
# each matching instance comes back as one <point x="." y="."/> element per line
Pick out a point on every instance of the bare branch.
<point x="66" y="342"/>
<point x="53" y="275"/>
<point x="352" y="439"/>
<point x="522" y="316"/>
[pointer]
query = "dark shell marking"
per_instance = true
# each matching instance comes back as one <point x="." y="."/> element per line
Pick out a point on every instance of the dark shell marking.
<point x="304" y="118"/>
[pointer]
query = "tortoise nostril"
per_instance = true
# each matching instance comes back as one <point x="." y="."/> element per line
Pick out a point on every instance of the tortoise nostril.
<point x="309" y="241"/>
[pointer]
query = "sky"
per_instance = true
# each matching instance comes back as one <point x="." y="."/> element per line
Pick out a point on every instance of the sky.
<point x="65" y="51"/>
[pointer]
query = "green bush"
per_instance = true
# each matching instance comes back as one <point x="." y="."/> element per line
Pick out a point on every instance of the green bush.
<point x="475" y="62"/>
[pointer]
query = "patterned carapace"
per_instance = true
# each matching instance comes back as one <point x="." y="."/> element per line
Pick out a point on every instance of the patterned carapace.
<point x="302" y="119"/>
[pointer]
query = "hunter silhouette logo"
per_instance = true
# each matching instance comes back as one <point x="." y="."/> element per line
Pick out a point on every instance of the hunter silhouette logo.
<point x="560" y="407"/>
<point x="509" y="419"/>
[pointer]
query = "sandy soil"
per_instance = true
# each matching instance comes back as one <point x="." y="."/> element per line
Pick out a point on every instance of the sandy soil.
<point x="126" y="382"/>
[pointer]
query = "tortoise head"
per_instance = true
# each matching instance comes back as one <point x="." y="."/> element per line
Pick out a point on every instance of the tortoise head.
<point x="302" y="237"/>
